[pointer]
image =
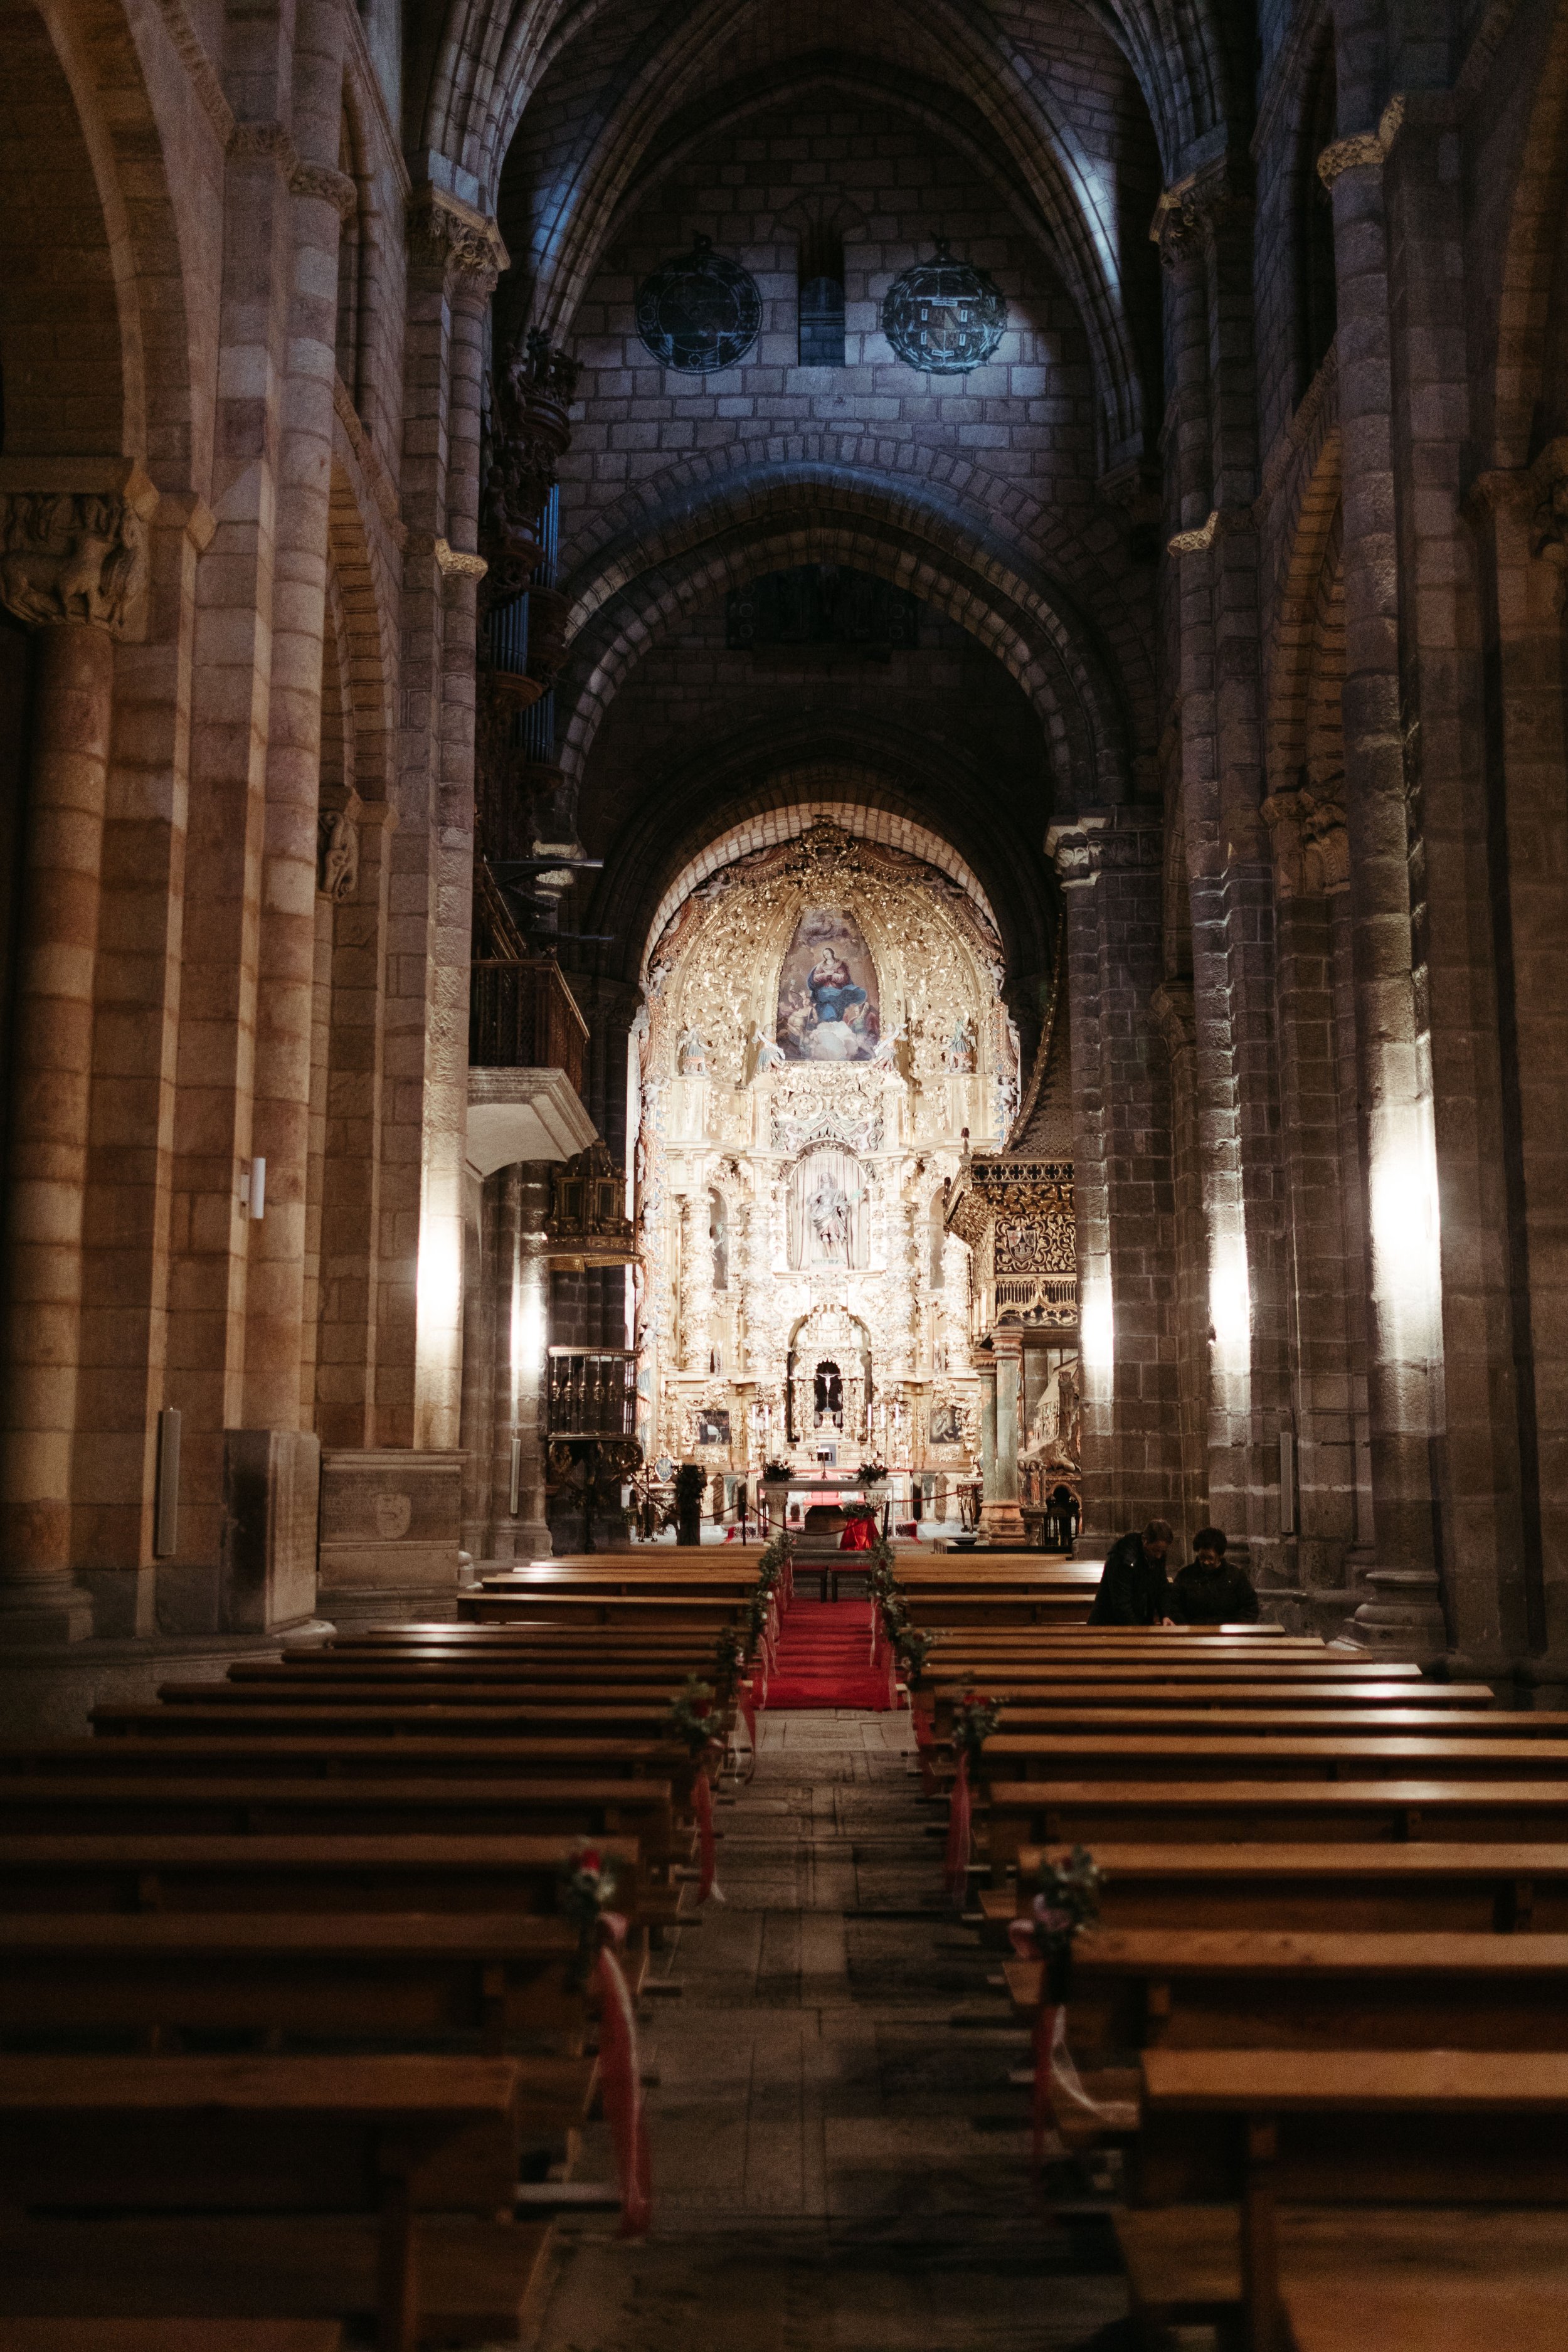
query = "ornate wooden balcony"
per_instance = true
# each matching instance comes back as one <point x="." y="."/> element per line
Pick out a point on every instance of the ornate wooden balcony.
<point x="522" y="1015"/>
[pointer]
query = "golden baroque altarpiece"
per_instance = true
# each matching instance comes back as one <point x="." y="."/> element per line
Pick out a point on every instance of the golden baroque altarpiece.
<point x="824" y="1042"/>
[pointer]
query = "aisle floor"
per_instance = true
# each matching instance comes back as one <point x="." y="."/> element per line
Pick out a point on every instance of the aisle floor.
<point x="837" y="2164"/>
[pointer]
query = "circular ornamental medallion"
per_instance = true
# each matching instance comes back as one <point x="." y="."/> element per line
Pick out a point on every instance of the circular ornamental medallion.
<point x="944" y="315"/>
<point x="700" y="313"/>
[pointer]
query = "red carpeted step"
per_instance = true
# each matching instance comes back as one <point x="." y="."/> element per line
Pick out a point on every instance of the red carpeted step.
<point x="825" y="1657"/>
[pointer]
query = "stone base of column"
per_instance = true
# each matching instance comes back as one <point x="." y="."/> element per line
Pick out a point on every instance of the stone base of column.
<point x="50" y="1694"/>
<point x="45" y="1616"/>
<point x="1403" y="1618"/>
<point x="1003" y="1525"/>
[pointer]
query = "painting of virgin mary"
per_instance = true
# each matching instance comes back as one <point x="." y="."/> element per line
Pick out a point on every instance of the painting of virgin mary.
<point x="827" y="1009"/>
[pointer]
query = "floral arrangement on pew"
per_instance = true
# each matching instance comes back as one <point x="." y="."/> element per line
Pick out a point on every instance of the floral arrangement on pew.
<point x="691" y="1721"/>
<point x="974" y="1718"/>
<point x="1068" y="1900"/>
<point x="890" y="1611"/>
<point x="732" y="1684"/>
<point x="586" y="1896"/>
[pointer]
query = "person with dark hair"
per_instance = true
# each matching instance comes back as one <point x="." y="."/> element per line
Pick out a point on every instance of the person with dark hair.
<point x="1211" y="1589"/>
<point x="1132" y="1587"/>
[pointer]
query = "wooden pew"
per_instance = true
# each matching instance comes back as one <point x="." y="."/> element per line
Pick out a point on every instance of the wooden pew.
<point x="215" y="1873"/>
<point x="1435" y="1888"/>
<point x="1205" y="1988"/>
<point x="59" y="1805"/>
<point x="1431" y="2185"/>
<point x="1294" y="1812"/>
<point x="1263" y="1755"/>
<point x="1293" y="1706"/>
<point x="230" y="1709"/>
<point x="534" y="1607"/>
<point x="416" y="1978"/>
<point x="374" y="2190"/>
<point x="351" y="1759"/>
<point x="170" y="2335"/>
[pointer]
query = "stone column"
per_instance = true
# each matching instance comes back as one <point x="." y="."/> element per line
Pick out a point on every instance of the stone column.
<point x="455" y="257"/>
<point x="319" y="197"/>
<point x="1004" y="1519"/>
<point x="1404" y="1285"/>
<point x="695" y="1284"/>
<point x="1205" y="227"/>
<point x="985" y="1366"/>
<point x="73" y="562"/>
<point x="522" y="1247"/>
<point x="1108" y="864"/>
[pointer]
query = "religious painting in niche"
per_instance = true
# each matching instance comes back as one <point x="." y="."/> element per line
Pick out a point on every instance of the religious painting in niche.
<point x="713" y="1425"/>
<point x="946" y="1429"/>
<point x="944" y="315"/>
<point x="700" y="312"/>
<point x="827" y="1009"/>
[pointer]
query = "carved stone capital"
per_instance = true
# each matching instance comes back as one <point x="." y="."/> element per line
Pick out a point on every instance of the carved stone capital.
<point x="1363" y="147"/>
<point x="1191" y="215"/>
<point x="70" y="555"/>
<point x="334" y="188"/>
<point x="447" y="233"/>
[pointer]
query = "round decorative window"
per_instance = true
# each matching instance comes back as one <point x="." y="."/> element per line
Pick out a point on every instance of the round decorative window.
<point x="944" y="315"/>
<point x="700" y="312"/>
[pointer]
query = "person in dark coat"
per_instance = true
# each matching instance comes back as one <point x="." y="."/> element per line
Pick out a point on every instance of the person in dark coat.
<point x="1132" y="1587"/>
<point x="1211" y="1589"/>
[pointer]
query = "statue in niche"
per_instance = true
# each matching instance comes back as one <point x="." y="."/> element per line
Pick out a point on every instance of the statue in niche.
<point x="828" y="1214"/>
<point x="827" y="1007"/>
<point x="691" y="1054"/>
<point x="825" y="1203"/>
<point x="958" y="1054"/>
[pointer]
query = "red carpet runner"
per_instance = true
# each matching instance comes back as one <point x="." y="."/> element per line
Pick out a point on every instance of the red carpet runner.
<point x="825" y="1657"/>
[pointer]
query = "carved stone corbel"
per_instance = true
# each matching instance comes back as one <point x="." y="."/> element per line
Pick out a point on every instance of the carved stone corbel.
<point x="75" y="555"/>
<point x="337" y="854"/>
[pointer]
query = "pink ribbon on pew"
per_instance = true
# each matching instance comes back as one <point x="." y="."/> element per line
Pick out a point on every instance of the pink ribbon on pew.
<point x="620" y="2081"/>
<point x="703" y="1804"/>
<point x="955" y="1871"/>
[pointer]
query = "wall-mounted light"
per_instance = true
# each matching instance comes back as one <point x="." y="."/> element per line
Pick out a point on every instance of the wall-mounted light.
<point x="253" y="1189"/>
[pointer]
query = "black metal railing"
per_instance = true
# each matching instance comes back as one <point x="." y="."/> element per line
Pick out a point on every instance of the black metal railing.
<point x="593" y="1392"/>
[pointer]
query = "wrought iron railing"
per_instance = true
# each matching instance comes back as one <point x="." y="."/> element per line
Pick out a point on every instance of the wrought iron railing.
<point x="593" y="1392"/>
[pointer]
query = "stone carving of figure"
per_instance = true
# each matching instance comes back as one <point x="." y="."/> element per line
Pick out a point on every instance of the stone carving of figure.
<point x="958" y="1054"/>
<point x="1007" y="1104"/>
<point x="691" y="1054"/>
<point x="340" y="856"/>
<point x="769" y="1055"/>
